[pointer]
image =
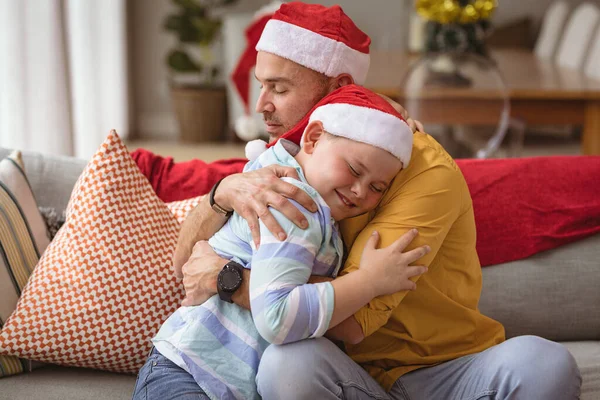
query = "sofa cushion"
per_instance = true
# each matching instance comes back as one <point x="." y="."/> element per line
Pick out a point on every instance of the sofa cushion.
<point x="587" y="355"/>
<point x="23" y="237"/>
<point x="181" y="209"/>
<point x="51" y="177"/>
<point x="104" y="285"/>
<point x="63" y="383"/>
<point x="553" y="294"/>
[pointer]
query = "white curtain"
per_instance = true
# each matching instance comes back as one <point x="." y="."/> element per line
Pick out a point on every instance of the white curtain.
<point x="63" y="74"/>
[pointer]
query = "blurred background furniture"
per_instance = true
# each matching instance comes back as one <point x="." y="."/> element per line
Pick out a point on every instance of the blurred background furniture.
<point x="540" y="92"/>
<point x="592" y="67"/>
<point x="551" y="30"/>
<point x="435" y="77"/>
<point x="577" y="36"/>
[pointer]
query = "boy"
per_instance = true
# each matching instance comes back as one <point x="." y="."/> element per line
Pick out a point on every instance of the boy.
<point x="353" y="144"/>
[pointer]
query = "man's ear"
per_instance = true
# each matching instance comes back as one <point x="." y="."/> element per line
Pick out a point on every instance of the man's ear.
<point x="312" y="134"/>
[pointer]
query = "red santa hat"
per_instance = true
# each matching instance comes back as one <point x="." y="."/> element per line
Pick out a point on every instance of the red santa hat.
<point x="321" y="38"/>
<point x="355" y="113"/>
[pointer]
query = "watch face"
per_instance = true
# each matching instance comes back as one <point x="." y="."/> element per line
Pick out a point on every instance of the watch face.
<point x="229" y="279"/>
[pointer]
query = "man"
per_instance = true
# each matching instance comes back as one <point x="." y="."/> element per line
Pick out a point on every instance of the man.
<point x="431" y="343"/>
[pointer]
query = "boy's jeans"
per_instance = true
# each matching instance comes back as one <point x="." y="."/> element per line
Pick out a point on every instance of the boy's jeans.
<point x="161" y="379"/>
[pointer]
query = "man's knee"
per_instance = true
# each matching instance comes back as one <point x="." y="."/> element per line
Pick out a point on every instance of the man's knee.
<point x="292" y="368"/>
<point x="533" y="362"/>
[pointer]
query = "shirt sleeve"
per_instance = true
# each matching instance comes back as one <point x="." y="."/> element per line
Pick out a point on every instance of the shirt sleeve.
<point x="431" y="202"/>
<point x="284" y="306"/>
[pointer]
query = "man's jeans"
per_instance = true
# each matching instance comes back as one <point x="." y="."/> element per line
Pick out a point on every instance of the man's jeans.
<point x="526" y="367"/>
<point x="161" y="379"/>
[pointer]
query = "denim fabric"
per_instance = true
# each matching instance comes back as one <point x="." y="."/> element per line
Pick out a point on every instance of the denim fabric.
<point x="161" y="379"/>
<point x="526" y="367"/>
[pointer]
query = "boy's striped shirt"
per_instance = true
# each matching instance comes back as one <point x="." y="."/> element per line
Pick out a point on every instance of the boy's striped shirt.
<point x="220" y="344"/>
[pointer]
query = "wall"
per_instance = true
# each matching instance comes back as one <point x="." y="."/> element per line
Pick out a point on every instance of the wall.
<point x="386" y="21"/>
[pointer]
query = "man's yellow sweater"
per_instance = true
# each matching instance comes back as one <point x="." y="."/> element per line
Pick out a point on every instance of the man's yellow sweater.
<point x="439" y="321"/>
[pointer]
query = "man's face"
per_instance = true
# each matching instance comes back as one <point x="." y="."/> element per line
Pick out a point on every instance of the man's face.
<point x="288" y="92"/>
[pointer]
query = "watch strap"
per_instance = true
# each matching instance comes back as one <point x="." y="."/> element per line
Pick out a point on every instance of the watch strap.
<point x="225" y="296"/>
<point x="211" y="199"/>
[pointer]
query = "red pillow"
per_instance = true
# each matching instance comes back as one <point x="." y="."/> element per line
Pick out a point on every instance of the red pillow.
<point x="527" y="205"/>
<point x="180" y="181"/>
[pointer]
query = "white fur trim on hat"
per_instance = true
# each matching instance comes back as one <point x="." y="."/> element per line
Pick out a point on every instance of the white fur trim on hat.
<point x="255" y="148"/>
<point x="246" y="128"/>
<point x="367" y="125"/>
<point x="307" y="48"/>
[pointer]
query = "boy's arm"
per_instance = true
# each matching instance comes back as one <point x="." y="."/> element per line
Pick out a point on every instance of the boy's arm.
<point x="431" y="202"/>
<point x="284" y="306"/>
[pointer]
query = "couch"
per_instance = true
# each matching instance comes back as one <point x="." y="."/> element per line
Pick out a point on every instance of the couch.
<point x="553" y="294"/>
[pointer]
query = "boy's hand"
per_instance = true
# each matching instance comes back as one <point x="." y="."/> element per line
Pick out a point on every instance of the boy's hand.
<point x="388" y="269"/>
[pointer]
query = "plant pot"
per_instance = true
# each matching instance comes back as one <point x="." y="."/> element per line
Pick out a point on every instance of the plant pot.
<point x="201" y="113"/>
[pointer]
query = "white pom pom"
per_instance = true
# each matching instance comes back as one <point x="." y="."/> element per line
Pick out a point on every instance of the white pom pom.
<point x="255" y="148"/>
<point x="246" y="128"/>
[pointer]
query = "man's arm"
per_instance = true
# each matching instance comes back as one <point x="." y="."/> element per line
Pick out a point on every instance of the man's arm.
<point x="249" y="194"/>
<point x="201" y="223"/>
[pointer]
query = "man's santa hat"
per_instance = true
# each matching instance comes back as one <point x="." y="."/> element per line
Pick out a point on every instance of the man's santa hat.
<point x="357" y="114"/>
<point x="321" y="38"/>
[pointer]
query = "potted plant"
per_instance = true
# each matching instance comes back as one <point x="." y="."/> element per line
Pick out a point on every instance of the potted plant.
<point x="198" y="98"/>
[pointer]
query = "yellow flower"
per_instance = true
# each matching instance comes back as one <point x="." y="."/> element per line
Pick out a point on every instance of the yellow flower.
<point x="450" y="11"/>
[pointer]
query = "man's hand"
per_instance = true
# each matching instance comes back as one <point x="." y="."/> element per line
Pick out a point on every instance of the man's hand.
<point x="414" y="124"/>
<point x="200" y="274"/>
<point x="251" y="193"/>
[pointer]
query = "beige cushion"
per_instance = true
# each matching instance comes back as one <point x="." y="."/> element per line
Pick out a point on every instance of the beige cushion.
<point x="554" y="294"/>
<point x="23" y="238"/>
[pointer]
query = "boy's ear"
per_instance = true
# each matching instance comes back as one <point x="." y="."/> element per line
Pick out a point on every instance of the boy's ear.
<point x="312" y="134"/>
<point x="342" y="80"/>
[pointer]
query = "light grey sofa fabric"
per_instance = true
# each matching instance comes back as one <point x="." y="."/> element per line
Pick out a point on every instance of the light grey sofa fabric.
<point x="587" y="355"/>
<point x="554" y="294"/>
<point x="61" y="383"/>
<point x="51" y="177"/>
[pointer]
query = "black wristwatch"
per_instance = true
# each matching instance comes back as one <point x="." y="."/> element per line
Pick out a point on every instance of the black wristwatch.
<point x="217" y="208"/>
<point x="229" y="280"/>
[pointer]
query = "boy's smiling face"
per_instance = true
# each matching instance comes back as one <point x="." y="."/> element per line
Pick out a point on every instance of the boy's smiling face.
<point x="350" y="176"/>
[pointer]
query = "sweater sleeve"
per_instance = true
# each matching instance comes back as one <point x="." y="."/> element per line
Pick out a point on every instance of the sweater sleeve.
<point x="284" y="306"/>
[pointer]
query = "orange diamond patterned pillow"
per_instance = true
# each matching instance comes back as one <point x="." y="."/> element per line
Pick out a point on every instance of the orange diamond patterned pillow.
<point x="182" y="208"/>
<point x="104" y="285"/>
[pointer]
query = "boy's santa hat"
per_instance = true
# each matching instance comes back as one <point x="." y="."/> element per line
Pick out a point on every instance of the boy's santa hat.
<point x="321" y="38"/>
<point x="357" y="114"/>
